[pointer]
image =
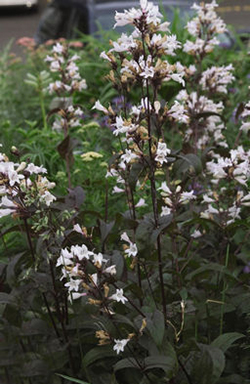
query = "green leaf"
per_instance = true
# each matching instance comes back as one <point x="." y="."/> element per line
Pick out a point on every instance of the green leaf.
<point x="126" y="363"/>
<point x="211" y="267"/>
<point x="218" y="360"/>
<point x="105" y="229"/>
<point x="156" y="326"/>
<point x="11" y="268"/>
<point x="208" y="365"/>
<point x="166" y="363"/>
<point x="6" y="298"/>
<point x="134" y="174"/>
<point x="164" y="222"/>
<point x="98" y="353"/>
<point x="118" y="260"/>
<point x="75" y="198"/>
<point x="202" y="368"/>
<point x="189" y="163"/>
<point x="225" y="341"/>
<point x="65" y="148"/>
<point x="71" y="379"/>
<point x="144" y="232"/>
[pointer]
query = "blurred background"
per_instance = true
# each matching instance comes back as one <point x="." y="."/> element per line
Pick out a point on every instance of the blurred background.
<point x="19" y="22"/>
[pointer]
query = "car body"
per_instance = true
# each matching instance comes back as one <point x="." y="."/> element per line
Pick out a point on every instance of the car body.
<point x="64" y="18"/>
<point x="29" y="4"/>
<point x="101" y="12"/>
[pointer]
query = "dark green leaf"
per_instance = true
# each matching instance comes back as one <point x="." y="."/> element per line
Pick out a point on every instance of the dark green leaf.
<point x="98" y="353"/>
<point x="126" y="363"/>
<point x="105" y="229"/>
<point x="211" y="267"/>
<point x="6" y="298"/>
<point x="75" y="198"/>
<point x="225" y="341"/>
<point x="134" y="174"/>
<point x="166" y="363"/>
<point x="156" y="326"/>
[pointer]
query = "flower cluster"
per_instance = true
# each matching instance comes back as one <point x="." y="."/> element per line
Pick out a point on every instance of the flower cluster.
<point x="77" y="264"/>
<point x="22" y="185"/>
<point x="65" y="65"/>
<point x="196" y="109"/>
<point x="204" y="27"/>
<point x="67" y="118"/>
<point x="174" y="198"/>
<point x="245" y="127"/>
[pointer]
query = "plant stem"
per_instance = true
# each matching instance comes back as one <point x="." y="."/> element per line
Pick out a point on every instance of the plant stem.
<point x="29" y="239"/>
<point x="51" y="316"/>
<point x="185" y="371"/>
<point x="155" y="208"/>
<point x="45" y="126"/>
<point x="224" y="293"/>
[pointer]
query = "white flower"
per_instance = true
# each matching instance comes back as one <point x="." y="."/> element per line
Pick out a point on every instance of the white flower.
<point x="14" y="177"/>
<point x="55" y="66"/>
<point x="47" y="198"/>
<point x="31" y="168"/>
<point x="185" y="197"/>
<point x="165" y="189"/>
<point x="73" y="285"/>
<point x="5" y="212"/>
<point x="162" y="152"/>
<point x="98" y="260"/>
<point x="117" y="190"/>
<point x="103" y="55"/>
<point x="75" y="296"/>
<point x="94" y="278"/>
<point x="122" y="126"/>
<point x="7" y="203"/>
<point x="165" y="211"/>
<point x="178" y="112"/>
<point x="207" y="199"/>
<point x="120" y="345"/>
<point x="78" y="229"/>
<point x="81" y="252"/>
<point x="58" y="48"/>
<point x="118" y="296"/>
<point x="196" y="234"/>
<point x="46" y="183"/>
<point x="128" y="156"/>
<point x="100" y="107"/>
<point x="65" y="258"/>
<point x="141" y="203"/>
<point x="132" y="249"/>
<point x="125" y="237"/>
<point x="110" y="270"/>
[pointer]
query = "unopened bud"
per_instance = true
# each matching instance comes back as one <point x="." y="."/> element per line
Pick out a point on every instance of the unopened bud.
<point x="157" y="106"/>
<point x="178" y="189"/>
<point x="22" y="166"/>
<point x="15" y="151"/>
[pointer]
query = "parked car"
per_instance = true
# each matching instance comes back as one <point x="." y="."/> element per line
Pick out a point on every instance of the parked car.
<point x="29" y="4"/>
<point x="64" y="18"/>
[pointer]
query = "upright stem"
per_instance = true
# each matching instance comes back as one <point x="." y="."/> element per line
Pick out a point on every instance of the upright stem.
<point x="29" y="239"/>
<point x="155" y="208"/>
<point x="224" y="293"/>
<point x="45" y="126"/>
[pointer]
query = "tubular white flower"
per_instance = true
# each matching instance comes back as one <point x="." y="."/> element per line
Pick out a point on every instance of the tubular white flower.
<point x="120" y="345"/>
<point x="119" y="297"/>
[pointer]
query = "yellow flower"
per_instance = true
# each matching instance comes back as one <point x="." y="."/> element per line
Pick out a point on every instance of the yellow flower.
<point x="89" y="156"/>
